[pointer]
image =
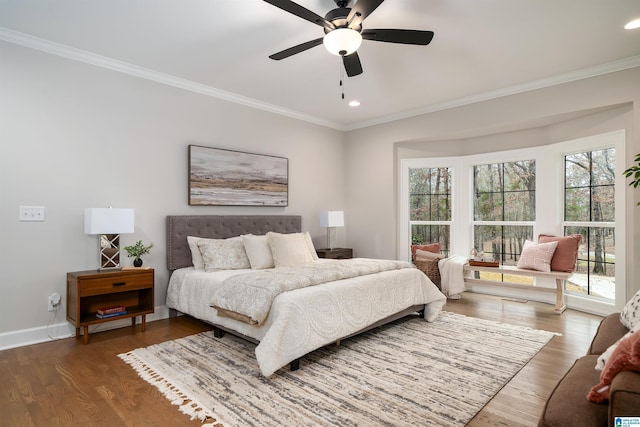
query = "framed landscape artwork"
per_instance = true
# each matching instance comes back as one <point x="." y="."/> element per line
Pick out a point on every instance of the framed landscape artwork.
<point x="233" y="178"/>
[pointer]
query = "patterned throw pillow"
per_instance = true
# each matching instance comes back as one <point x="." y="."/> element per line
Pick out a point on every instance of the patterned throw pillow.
<point x="630" y="315"/>
<point x="537" y="256"/>
<point x="224" y="254"/>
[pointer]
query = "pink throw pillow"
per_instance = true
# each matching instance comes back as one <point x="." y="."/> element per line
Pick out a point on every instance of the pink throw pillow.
<point x="566" y="255"/>
<point x="537" y="256"/>
<point x="433" y="247"/>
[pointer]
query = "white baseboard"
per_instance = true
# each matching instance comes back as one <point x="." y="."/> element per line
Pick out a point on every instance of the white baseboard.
<point x="64" y="329"/>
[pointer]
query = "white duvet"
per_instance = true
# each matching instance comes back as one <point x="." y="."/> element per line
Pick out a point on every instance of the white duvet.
<point x="303" y="320"/>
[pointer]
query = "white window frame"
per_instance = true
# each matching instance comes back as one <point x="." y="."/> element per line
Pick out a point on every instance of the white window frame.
<point x="404" y="233"/>
<point x="549" y="186"/>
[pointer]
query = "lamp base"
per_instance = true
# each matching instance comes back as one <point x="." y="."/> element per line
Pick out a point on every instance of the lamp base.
<point x="332" y="237"/>
<point x="109" y="245"/>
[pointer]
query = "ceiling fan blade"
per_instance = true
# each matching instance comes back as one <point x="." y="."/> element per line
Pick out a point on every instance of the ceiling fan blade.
<point x="399" y="36"/>
<point x="352" y="64"/>
<point x="296" y="49"/>
<point x="301" y="12"/>
<point x="361" y="10"/>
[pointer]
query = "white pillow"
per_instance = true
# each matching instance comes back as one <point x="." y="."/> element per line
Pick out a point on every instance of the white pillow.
<point x="537" y="256"/>
<point x="224" y="254"/>
<point x="196" y="256"/>
<point x="289" y="249"/>
<point x="258" y="251"/>
<point x="630" y="314"/>
<point x="312" y="249"/>
<point x="427" y="256"/>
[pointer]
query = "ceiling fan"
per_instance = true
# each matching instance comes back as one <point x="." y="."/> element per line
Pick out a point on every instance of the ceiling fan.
<point x="344" y="33"/>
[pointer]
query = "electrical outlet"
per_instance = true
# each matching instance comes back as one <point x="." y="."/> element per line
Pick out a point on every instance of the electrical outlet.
<point x="54" y="302"/>
<point x="31" y="213"/>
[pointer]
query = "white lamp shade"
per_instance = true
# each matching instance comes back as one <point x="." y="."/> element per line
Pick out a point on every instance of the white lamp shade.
<point x="342" y="41"/>
<point x="332" y="219"/>
<point x="108" y="221"/>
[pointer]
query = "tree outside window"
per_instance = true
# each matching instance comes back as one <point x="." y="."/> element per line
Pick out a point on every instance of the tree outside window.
<point x="590" y="211"/>
<point x="504" y="208"/>
<point x="430" y="206"/>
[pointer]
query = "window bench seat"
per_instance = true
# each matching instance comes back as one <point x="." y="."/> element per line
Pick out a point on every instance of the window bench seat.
<point x="559" y="276"/>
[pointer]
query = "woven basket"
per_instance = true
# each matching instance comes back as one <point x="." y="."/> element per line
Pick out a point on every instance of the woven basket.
<point x="430" y="268"/>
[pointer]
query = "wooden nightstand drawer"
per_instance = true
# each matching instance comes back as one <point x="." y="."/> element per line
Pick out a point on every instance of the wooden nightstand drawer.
<point x="121" y="283"/>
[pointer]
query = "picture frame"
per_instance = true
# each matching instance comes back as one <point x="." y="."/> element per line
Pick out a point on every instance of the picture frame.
<point x="219" y="177"/>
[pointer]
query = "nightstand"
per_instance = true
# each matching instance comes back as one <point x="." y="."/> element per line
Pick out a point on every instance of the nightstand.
<point x="88" y="291"/>
<point x="335" y="253"/>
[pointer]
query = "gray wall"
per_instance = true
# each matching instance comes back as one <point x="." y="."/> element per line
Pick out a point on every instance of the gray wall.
<point x="554" y="114"/>
<point x="77" y="136"/>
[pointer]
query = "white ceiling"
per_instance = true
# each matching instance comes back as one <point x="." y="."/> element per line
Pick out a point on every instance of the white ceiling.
<point x="481" y="49"/>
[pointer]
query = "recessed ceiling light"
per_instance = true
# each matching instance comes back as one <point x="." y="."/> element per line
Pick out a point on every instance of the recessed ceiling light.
<point x="632" y="25"/>
<point x="354" y="103"/>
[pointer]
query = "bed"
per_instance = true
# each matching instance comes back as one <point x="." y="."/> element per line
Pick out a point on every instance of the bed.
<point x="300" y="320"/>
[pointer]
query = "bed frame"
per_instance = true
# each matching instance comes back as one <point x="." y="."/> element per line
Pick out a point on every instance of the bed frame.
<point x="225" y="226"/>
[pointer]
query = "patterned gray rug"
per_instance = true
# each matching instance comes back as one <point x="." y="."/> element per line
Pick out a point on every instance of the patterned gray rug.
<point x="407" y="373"/>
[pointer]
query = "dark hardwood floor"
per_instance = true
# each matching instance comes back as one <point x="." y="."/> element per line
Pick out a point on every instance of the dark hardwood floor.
<point x="66" y="383"/>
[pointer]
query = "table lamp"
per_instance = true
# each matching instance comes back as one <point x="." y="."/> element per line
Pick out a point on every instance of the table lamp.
<point x="331" y="220"/>
<point x="108" y="223"/>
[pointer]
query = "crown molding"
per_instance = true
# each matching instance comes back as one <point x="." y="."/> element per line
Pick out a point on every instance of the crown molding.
<point x="86" y="57"/>
<point x="597" y="70"/>
<point x="69" y="52"/>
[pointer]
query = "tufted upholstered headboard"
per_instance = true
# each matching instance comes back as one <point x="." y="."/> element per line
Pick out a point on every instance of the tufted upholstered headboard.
<point x="220" y="227"/>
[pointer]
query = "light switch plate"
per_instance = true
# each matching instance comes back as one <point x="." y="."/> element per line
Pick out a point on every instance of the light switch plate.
<point x="31" y="213"/>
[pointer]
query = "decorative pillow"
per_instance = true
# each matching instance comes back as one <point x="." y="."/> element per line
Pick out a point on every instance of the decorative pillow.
<point x="630" y="314"/>
<point x="224" y="254"/>
<point x="433" y="247"/>
<point x="289" y="249"/>
<point x="625" y="357"/>
<point x="196" y="256"/>
<point x="537" y="256"/>
<point x="566" y="255"/>
<point x="312" y="249"/>
<point x="258" y="251"/>
<point x="604" y="357"/>
<point x="427" y="256"/>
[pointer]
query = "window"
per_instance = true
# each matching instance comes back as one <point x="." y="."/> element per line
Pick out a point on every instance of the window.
<point x="589" y="210"/>
<point x="504" y="208"/>
<point x="430" y="206"/>
<point x="495" y="201"/>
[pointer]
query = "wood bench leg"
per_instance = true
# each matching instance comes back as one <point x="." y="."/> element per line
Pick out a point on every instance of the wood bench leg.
<point x="560" y="305"/>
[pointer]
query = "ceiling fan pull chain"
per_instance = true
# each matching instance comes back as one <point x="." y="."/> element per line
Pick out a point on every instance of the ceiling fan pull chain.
<point x="341" y="79"/>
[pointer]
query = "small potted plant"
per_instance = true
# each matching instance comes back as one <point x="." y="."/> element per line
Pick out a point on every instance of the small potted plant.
<point x="136" y="251"/>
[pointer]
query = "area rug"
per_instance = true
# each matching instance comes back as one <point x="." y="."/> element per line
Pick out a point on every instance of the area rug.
<point x="409" y="372"/>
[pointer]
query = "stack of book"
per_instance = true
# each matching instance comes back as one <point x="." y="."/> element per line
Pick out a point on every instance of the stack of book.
<point x="114" y="311"/>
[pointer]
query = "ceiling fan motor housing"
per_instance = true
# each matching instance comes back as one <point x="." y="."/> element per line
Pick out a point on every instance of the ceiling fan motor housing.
<point x="338" y="17"/>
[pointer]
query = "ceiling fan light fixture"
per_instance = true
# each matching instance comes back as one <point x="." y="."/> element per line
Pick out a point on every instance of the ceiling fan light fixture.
<point x="342" y="41"/>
